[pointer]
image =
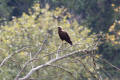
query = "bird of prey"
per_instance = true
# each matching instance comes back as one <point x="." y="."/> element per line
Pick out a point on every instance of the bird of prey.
<point x="64" y="35"/>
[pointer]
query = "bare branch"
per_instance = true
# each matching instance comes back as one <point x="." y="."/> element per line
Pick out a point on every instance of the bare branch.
<point x="32" y="65"/>
<point x="107" y="74"/>
<point x="41" y="48"/>
<point x="60" y="67"/>
<point x="58" y="51"/>
<point x="62" y="50"/>
<point x="51" y="61"/>
<point x="2" y="49"/>
<point x="87" y="69"/>
<point x="32" y="59"/>
<point x="110" y="64"/>
<point x="25" y="65"/>
<point x="9" y="56"/>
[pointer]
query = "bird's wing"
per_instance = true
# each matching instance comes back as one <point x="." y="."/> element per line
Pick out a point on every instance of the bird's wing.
<point x="66" y="35"/>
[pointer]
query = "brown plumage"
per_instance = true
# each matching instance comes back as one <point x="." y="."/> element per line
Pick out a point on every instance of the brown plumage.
<point x="64" y="35"/>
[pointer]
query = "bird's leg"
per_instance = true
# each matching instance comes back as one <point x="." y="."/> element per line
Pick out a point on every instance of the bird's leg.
<point x="58" y="51"/>
<point x="62" y="43"/>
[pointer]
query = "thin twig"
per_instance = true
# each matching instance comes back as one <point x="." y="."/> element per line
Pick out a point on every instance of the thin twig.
<point x="2" y="49"/>
<point x="94" y="63"/>
<point x="62" y="49"/>
<point x="60" y="67"/>
<point x="9" y="56"/>
<point x="41" y="48"/>
<point x="87" y="69"/>
<point x="107" y="74"/>
<point x="25" y="65"/>
<point x="58" y="51"/>
<point x="110" y="64"/>
<point x="32" y="59"/>
<point x="51" y="61"/>
<point x="32" y="66"/>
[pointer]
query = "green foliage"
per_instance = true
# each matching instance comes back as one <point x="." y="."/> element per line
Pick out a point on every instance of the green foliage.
<point x="30" y="30"/>
<point x="5" y="11"/>
<point x="19" y="6"/>
<point x="111" y="48"/>
<point x="110" y="52"/>
<point x="96" y="14"/>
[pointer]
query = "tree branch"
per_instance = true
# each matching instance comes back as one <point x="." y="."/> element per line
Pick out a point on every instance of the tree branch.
<point x="92" y="74"/>
<point x="41" y="48"/>
<point x="51" y="61"/>
<point x="58" y="51"/>
<point x="9" y="56"/>
<point x="32" y="59"/>
<point x="109" y="64"/>
<point x="62" y="50"/>
<point x="25" y="65"/>
<point x="60" y="67"/>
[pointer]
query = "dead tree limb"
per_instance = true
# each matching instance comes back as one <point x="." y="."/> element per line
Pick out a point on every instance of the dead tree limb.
<point x="9" y="56"/>
<point x="51" y="61"/>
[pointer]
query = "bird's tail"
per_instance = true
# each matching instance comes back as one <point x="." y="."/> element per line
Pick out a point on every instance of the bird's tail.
<point x="70" y="42"/>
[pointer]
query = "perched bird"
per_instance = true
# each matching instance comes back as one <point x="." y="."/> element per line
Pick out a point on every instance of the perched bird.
<point x="64" y="35"/>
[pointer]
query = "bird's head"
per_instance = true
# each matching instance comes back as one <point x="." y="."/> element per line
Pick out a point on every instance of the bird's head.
<point x="59" y="28"/>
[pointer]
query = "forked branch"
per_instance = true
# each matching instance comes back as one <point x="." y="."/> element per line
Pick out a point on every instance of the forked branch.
<point x="52" y="61"/>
